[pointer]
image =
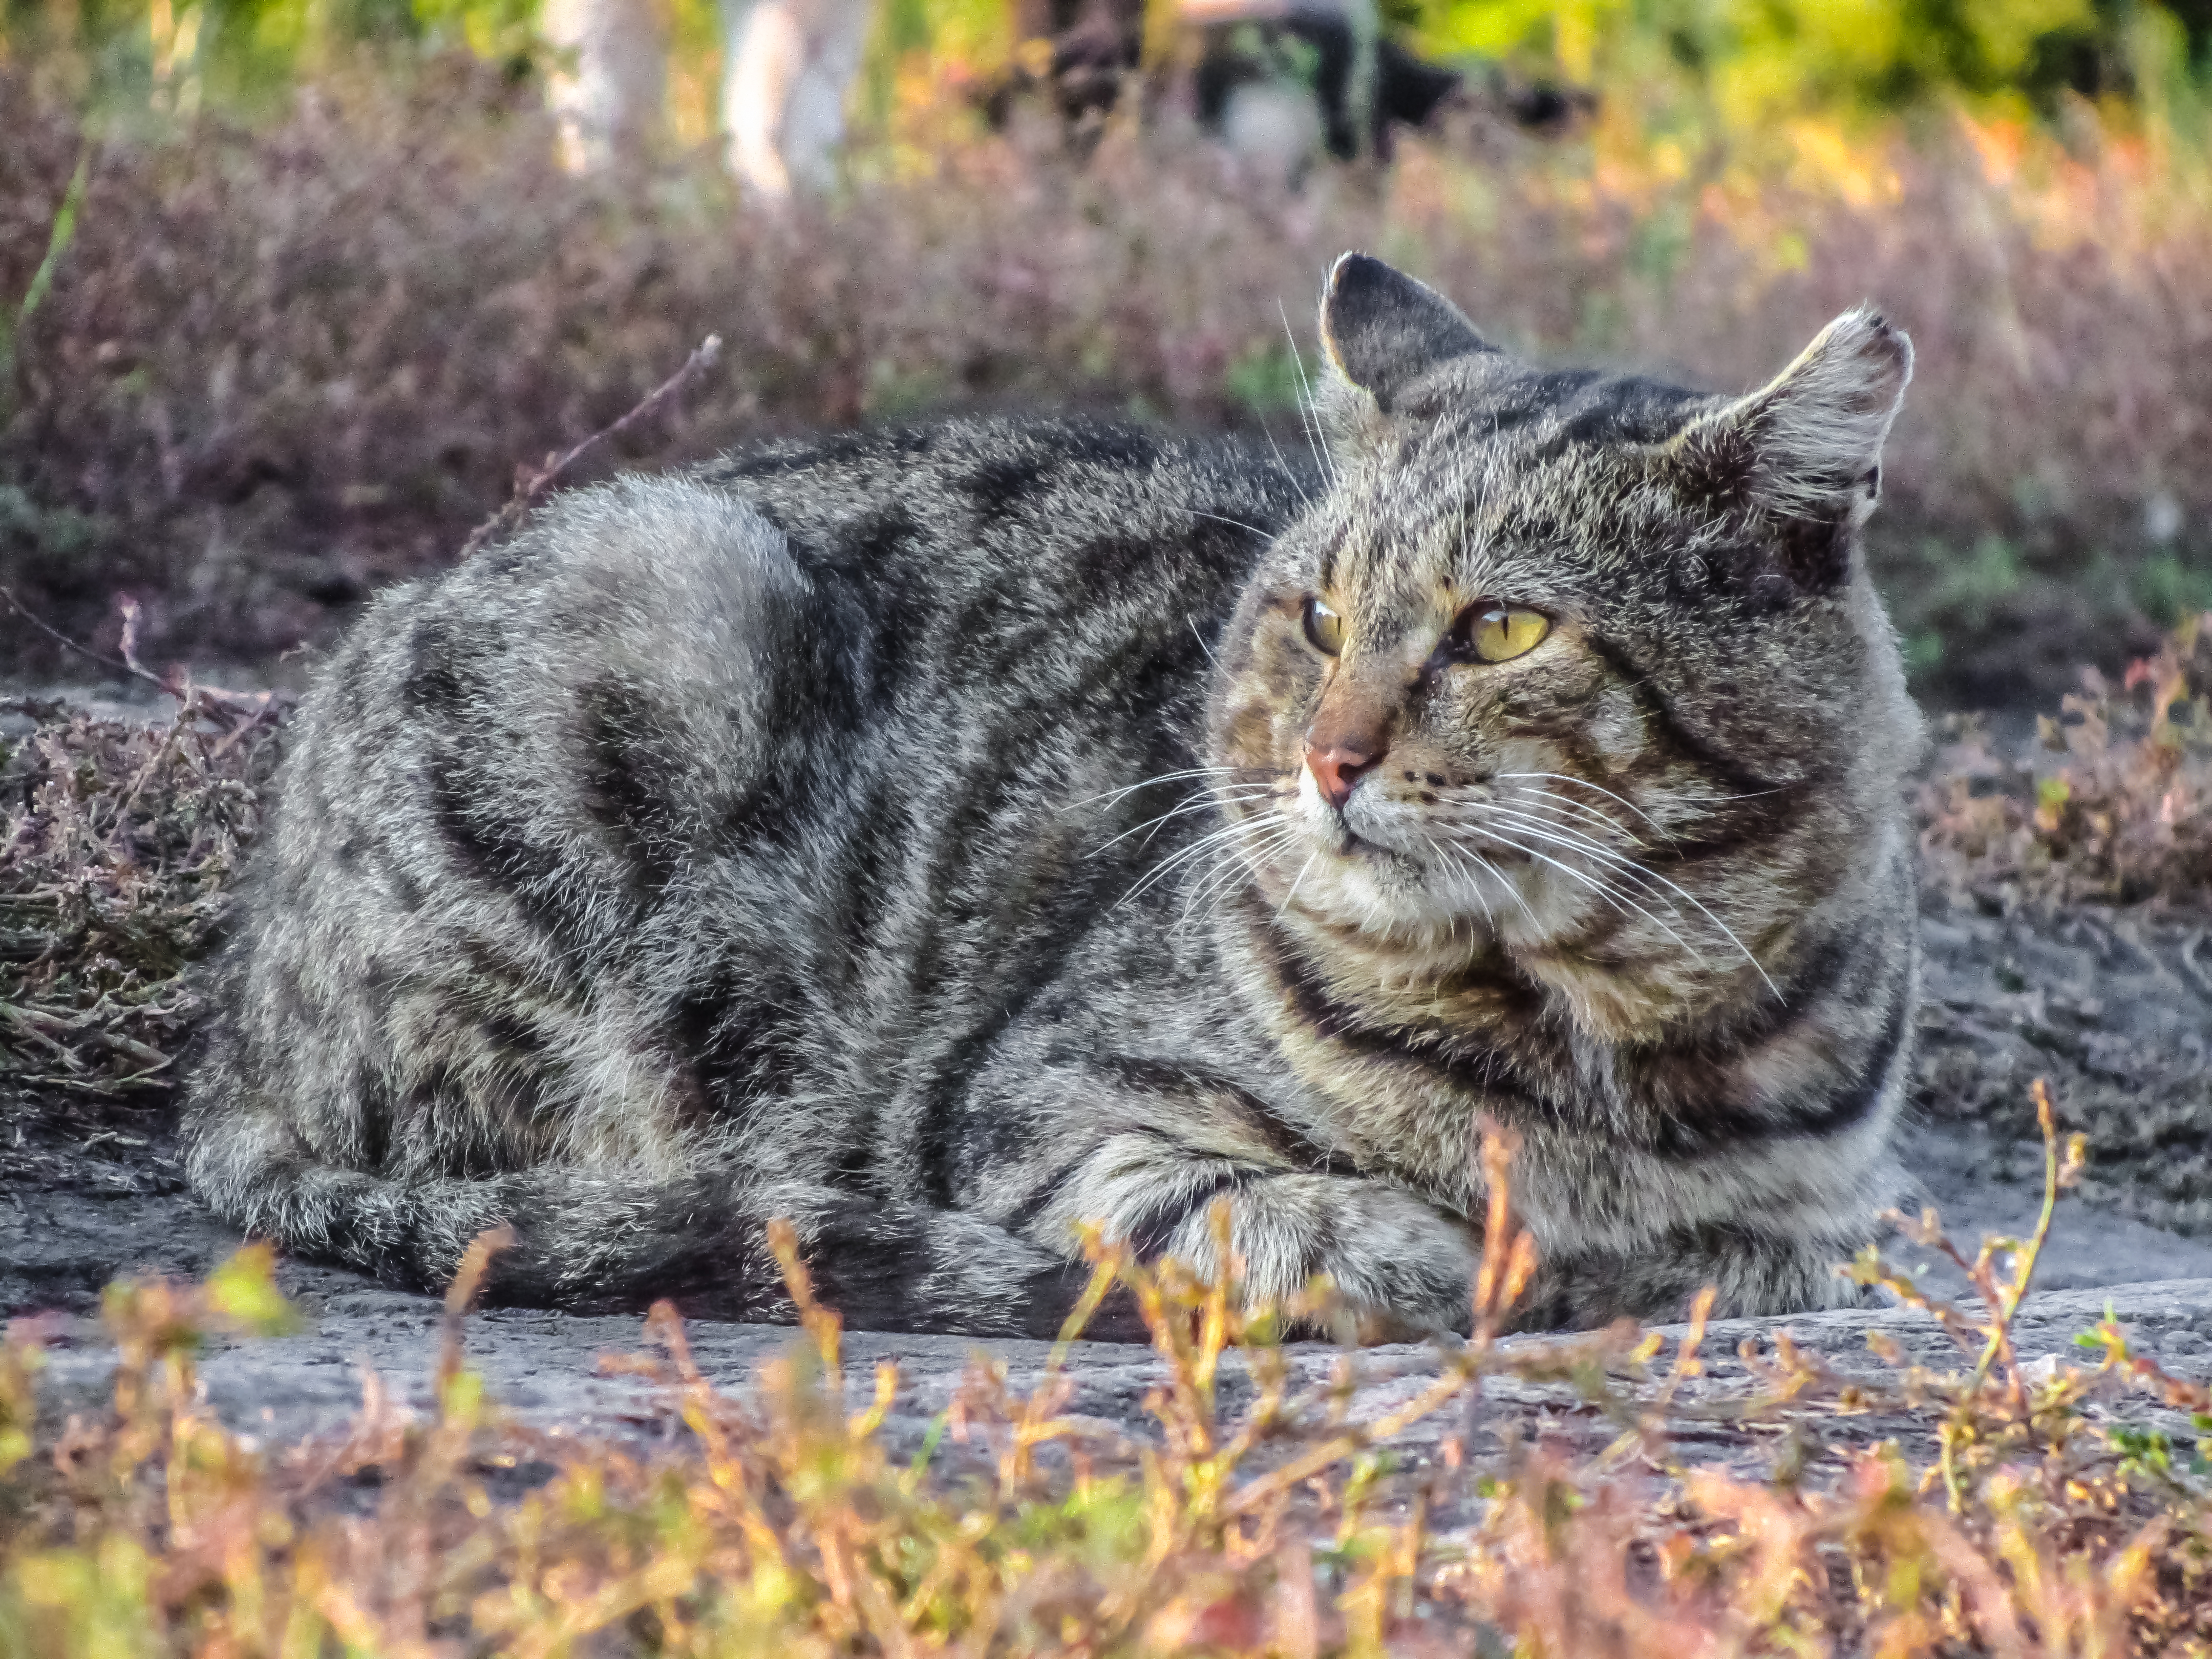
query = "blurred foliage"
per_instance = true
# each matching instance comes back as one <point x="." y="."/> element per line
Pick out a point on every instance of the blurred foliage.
<point x="254" y="365"/>
<point x="175" y="55"/>
<point x="1733" y="65"/>
<point x="2113" y="805"/>
<point x="271" y="366"/>
<point x="1756" y="60"/>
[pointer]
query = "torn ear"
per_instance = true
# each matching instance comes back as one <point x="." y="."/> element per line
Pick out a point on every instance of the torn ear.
<point x="1382" y="330"/>
<point x="1807" y="447"/>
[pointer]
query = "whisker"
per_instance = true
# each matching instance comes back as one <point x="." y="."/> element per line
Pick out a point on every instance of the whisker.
<point x="1222" y="878"/>
<point x="1560" y="836"/>
<point x="1607" y="894"/>
<point x="1612" y="865"/>
<point x="1546" y="800"/>
<point x="1171" y="777"/>
<point x="1630" y="866"/>
<point x="1228" y="861"/>
<point x="1443" y="852"/>
<point x="1295" y="882"/>
<point x="1226" y="832"/>
<point x="1729" y="800"/>
<point x="1213" y="799"/>
<point x="1307" y="417"/>
<point x="1565" y="835"/>
<point x="1265" y="535"/>
<point x="1184" y="854"/>
<point x="1562" y="777"/>
<point x="1699" y="800"/>
<point x="1203" y="646"/>
<point x="1483" y="865"/>
<point x="1297" y="482"/>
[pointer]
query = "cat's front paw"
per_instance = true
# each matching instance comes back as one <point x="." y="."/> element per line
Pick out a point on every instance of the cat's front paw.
<point x="1402" y="1269"/>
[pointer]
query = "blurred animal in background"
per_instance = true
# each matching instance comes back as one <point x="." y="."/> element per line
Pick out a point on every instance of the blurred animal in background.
<point x="1279" y="81"/>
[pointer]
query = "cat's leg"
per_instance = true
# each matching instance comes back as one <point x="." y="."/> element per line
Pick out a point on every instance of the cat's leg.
<point x="1402" y="1265"/>
<point x="882" y="1264"/>
<point x="607" y="1241"/>
<point x="1752" y="1273"/>
<point x="614" y="1232"/>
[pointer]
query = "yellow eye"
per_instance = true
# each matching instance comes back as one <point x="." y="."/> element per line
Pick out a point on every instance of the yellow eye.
<point x="1499" y="632"/>
<point x="1324" y="628"/>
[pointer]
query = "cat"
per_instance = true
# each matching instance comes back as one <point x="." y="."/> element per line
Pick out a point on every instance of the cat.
<point x="941" y="838"/>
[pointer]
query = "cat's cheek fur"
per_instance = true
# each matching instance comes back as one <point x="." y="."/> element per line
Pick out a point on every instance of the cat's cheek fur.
<point x="1271" y="694"/>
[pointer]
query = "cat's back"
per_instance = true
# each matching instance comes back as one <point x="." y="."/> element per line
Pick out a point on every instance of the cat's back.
<point x="905" y="650"/>
<point x="986" y="531"/>
<point x="823" y="588"/>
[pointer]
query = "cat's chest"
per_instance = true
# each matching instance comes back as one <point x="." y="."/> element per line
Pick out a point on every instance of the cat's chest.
<point x="1401" y="1084"/>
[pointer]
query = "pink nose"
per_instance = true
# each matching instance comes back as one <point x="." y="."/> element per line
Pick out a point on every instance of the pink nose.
<point x="1340" y="766"/>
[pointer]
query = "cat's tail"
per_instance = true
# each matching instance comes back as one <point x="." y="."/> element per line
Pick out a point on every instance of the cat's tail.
<point x="594" y="1244"/>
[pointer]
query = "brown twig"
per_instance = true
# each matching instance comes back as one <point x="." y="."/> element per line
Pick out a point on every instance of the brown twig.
<point x="64" y="641"/>
<point x="530" y="482"/>
<point x="196" y="698"/>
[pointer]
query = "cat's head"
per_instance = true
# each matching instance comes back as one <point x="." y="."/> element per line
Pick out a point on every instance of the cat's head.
<point x="1583" y="664"/>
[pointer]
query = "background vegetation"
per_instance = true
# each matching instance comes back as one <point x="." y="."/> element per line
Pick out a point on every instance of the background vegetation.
<point x="288" y="288"/>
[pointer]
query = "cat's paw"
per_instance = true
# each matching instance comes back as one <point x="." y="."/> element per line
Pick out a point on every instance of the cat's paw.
<point x="1402" y="1269"/>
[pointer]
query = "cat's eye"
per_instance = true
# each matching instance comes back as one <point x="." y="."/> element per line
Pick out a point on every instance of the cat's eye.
<point x="1499" y="632"/>
<point x="1324" y="628"/>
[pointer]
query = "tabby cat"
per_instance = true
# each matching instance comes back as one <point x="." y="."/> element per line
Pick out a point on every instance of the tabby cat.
<point x="943" y="837"/>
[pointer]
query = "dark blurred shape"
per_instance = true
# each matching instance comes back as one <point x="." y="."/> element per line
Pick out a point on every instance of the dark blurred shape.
<point x="1407" y="91"/>
<point x="1096" y="47"/>
<point x="1093" y="57"/>
<point x="1543" y="109"/>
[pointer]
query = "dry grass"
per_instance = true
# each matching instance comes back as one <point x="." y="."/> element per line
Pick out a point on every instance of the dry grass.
<point x="275" y="367"/>
<point x="2116" y="808"/>
<point x="118" y="844"/>
<point x="2023" y="1510"/>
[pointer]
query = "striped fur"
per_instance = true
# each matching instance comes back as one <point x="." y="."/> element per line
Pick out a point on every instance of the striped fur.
<point x="911" y="833"/>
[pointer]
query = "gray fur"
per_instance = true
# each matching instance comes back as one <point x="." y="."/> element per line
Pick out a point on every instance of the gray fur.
<point x="820" y="834"/>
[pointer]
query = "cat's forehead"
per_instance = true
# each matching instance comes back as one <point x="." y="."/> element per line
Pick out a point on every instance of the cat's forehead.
<point x="1517" y="404"/>
<point x="1476" y="505"/>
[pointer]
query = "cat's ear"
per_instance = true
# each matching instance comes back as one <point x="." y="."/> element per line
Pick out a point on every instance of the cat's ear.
<point x="1383" y="330"/>
<point x="1807" y="447"/>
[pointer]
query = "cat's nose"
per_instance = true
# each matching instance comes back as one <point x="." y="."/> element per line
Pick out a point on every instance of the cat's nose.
<point x="1340" y="765"/>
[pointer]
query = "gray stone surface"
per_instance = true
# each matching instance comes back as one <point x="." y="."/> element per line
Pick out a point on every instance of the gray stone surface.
<point x="119" y="1207"/>
<point x="543" y="1371"/>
